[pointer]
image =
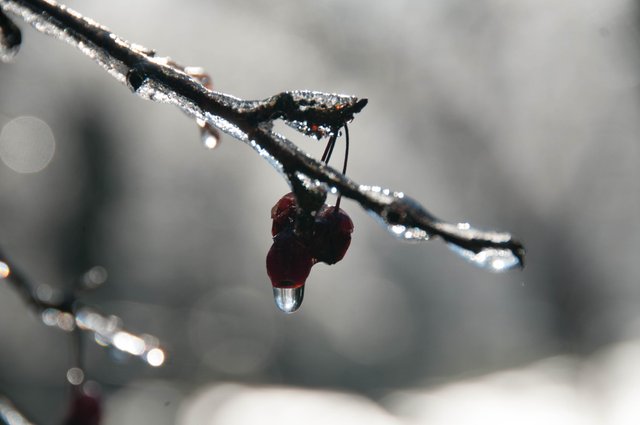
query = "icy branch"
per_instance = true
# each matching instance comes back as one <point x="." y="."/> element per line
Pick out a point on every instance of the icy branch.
<point x="311" y="113"/>
<point x="68" y="314"/>
<point x="9" y="413"/>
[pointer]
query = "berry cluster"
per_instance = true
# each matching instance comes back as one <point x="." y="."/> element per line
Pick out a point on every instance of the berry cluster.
<point x="293" y="253"/>
<point x="291" y="256"/>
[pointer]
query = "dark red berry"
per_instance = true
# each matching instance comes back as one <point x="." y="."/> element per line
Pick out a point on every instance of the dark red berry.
<point x="331" y="236"/>
<point x="85" y="409"/>
<point x="288" y="261"/>
<point x="283" y="213"/>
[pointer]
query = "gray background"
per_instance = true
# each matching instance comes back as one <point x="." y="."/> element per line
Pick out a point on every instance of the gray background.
<point x="519" y="116"/>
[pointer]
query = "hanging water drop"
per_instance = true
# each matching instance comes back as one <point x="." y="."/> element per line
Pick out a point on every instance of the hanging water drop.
<point x="496" y="260"/>
<point x="208" y="139"/>
<point x="209" y="136"/>
<point x="288" y="299"/>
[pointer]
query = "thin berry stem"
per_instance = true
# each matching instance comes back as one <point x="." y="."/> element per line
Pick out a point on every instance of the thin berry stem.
<point x="329" y="148"/>
<point x="346" y="160"/>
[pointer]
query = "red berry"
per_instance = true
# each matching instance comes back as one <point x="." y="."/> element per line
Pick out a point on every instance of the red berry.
<point x="85" y="409"/>
<point x="331" y="236"/>
<point x="283" y="213"/>
<point x="288" y="261"/>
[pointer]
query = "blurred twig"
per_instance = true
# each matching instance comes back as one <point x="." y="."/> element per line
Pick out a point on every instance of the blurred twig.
<point x="10" y="414"/>
<point x="69" y="315"/>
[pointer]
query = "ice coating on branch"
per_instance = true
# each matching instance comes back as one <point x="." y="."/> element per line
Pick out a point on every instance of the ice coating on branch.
<point x="311" y="185"/>
<point x="267" y="155"/>
<point x="496" y="260"/>
<point x="391" y="215"/>
<point x="316" y="130"/>
<point x="150" y="89"/>
<point x="316" y="112"/>
<point x="465" y="231"/>
<point x="320" y="100"/>
<point x="47" y="25"/>
<point x="10" y="415"/>
<point x="405" y="219"/>
<point x="489" y="258"/>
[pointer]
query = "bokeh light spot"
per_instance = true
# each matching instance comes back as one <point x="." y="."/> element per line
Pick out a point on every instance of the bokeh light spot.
<point x="4" y="270"/>
<point x="155" y="357"/>
<point x="75" y="376"/>
<point x="27" y="144"/>
<point x="129" y="343"/>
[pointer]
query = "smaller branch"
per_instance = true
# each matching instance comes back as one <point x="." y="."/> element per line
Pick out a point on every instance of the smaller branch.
<point x="10" y="414"/>
<point x="70" y="315"/>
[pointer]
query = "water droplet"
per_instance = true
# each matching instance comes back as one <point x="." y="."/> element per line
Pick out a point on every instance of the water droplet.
<point x="5" y="271"/>
<point x="288" y="300"/>
<point x="209" y="136"/>
<point x="405" y="219"/>
<point x="496" y="260"/>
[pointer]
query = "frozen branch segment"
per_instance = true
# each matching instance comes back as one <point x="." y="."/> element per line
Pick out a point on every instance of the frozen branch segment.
<point x="10" y="415"/>
<point x="68" y="315"/>
<point x="311" y="113"/>
<point x="108" y="331"/>
<point x="408" y="220"/>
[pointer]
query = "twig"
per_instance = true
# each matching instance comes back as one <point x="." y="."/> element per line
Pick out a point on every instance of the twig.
<point x="69" y="315"/>
<point x="312" y="113"/>
<point x="10" y="414"/>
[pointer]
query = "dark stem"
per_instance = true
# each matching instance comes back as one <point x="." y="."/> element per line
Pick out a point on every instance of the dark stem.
<point x="344" y="166"/>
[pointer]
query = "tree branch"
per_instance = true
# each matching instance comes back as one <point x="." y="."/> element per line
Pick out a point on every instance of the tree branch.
<point x="68" y="314"/>
<point x="311" y="113"/>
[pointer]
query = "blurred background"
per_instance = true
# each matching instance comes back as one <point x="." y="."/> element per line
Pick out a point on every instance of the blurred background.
<point x="516" y="116"/>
